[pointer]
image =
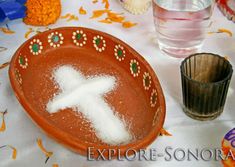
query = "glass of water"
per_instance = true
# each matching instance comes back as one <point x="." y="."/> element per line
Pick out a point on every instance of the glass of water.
<point x="181" y="25"/>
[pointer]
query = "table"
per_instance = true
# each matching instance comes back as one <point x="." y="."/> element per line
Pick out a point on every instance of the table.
<point x="187" y="133"/>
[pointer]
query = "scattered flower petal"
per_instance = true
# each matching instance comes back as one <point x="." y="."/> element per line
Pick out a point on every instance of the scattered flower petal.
<point x="14" y="151"/>
<point x="6" y="30"/>
<point x="107" y="21"/>
<point x="82" y="11"/>
<point x="128" y="24"/>
<point x="55" y="165"/>
<point x="69" y="17"/>
<point x="72" y="17"/>
<point x="115" y="17"/>
<point x="47" y="153"/>
<point x="94" y="1"/>
<point x="99" y="13"/>
<point x="163" y="132"/>
<point x="66" y="16"/>
<point x="106" y="2"/>
<point x="222" y="30"/>
<point x="28" y="33"/>
<point x="3" y="126"/>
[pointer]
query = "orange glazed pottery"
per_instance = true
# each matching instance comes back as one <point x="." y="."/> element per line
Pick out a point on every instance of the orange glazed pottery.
<point x="138" y="96"/>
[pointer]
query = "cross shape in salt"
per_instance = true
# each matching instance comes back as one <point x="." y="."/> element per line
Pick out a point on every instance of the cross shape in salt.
<point x="86" y="95"/>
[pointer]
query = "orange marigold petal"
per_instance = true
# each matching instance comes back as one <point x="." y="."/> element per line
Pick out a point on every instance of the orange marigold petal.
<point x="106" y="2"/>
<point x="222" y="30"/>
<point x="82" y="11"/>
<point x="115" y="17"/>
<point x="65" y="16"/>
<point x="98" y="13"/>
<point x="94" y="1"/>
<point x="47" y="153"/>
<point x="72" y="17"/>
<point x="128" y="24"/>
<point x="107" y="21"/>
<point x="3" y="126"/>
<point x="163" y="132"/>
<point x="26" y="35"/>
<point x="55" y="165"/>
<point x="6" y="30"/>
<point x="14" y="152"/>
<point x="209" y="33"/>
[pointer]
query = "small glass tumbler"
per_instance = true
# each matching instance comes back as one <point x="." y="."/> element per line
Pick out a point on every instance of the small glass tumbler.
<point x="205" y="82"/>
<point x="181" y="25"/>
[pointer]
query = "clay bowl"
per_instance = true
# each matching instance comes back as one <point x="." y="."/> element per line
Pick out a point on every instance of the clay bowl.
<point x="138" y="96"/>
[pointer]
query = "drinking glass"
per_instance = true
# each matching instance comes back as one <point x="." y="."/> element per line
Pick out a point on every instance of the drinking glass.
<point x="205" y="82"/>
<point x="181" y="25"/>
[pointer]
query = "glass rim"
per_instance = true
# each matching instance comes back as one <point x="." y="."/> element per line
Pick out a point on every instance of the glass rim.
<point x="229" y="75"/>
<point x="212" y="4"/>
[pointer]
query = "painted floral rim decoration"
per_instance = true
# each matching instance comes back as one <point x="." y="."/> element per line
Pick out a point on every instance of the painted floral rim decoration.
<point x="55" y="39"/>
<point x="119" y="52"/>
<point x="135" y="68"/>
<point x="18" y="76"/>
<point x="35" y="46"/>
<point x="79" y="38"/>
<point x="153" y="98"/>
<point x="23" y="61"/>
<point x="147" y="81"/>
<point x="99" y="43"/>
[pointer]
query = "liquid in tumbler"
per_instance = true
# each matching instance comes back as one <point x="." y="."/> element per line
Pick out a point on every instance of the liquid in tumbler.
<point x="181" y="25"/>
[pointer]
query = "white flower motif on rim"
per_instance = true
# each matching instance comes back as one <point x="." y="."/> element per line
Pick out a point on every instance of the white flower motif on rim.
<point x="23" y="61"/>
<point x="135" y="68"/>
<point x="153" y="98"/>
<point x="147" y="81"/>
<point x="99" y="43"/>
<point x="55" y="39"/>
<point x="79" y="38"/>
<point x="119" y="52"/>
<point x="35" y="46"/>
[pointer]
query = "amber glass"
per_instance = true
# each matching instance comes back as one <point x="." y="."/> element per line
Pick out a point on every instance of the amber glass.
<point x="205" y="82"/>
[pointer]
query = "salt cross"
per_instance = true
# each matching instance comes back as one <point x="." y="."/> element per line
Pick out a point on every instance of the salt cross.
<point x="86" y="96"/>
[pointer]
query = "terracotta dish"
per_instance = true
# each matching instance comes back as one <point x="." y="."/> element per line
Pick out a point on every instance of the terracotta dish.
<point x="138" y="96"/>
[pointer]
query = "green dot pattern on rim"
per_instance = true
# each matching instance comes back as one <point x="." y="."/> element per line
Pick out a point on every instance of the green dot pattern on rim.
<point x="35" y="47"/>
<point x="79" y="36"/>
<point x="119" y="53"/>
<point x="134" y="67"/>
<point x="22" y="61"/>
<point x="55" y="38"/>
<point x="97" y="41"/>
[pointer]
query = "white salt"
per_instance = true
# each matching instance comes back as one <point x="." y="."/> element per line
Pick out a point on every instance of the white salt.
<point x="86" y="95"/>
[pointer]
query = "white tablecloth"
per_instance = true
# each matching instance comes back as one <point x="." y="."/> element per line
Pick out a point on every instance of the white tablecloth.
<point x="187" y="133"/>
